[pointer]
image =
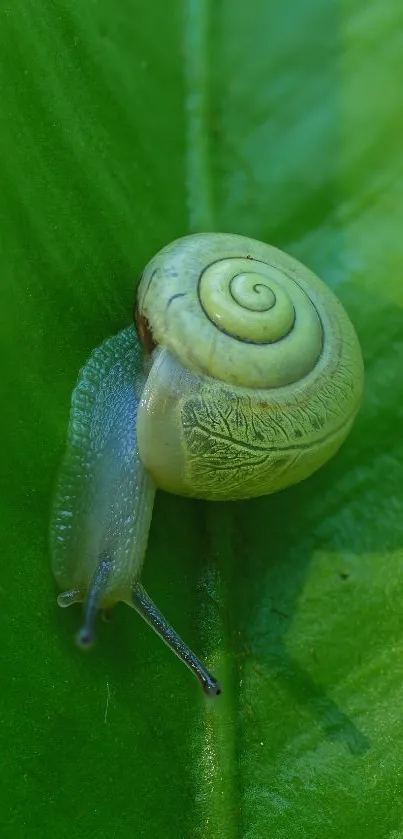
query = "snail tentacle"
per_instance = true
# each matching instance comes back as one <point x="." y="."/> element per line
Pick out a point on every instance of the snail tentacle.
<point x="151" y="614"/>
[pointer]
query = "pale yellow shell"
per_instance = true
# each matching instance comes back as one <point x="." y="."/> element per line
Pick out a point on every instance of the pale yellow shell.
<point x="258" y="374"/>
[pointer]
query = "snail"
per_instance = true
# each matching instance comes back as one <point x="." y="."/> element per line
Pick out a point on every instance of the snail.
<point x="247" y="378"/>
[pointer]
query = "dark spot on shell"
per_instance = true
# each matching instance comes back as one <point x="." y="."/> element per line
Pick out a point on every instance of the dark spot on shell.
<point x="176" y="297"/>
<point x="144" y="331"/>
<point x="317" y="422"/>
<point x="297" y="432"/>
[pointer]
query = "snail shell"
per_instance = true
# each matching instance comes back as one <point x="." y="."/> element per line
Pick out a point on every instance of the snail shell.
<point x="249" y="379"/>
<point x="259" y="373"/>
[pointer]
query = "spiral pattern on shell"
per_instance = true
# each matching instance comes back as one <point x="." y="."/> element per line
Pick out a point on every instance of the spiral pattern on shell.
<point x="236" y="309"/>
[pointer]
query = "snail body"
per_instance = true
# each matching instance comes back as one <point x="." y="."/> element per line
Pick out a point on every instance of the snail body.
<point x="249" y="379"/>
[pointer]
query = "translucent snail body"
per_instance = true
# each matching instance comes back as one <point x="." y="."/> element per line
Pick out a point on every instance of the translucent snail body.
<point x="249" y="379"/>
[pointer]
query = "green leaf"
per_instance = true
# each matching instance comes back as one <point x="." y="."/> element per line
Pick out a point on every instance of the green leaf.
<point x="123" y="126"/>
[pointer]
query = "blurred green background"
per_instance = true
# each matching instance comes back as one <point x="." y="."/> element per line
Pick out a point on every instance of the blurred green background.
<point x="124" y="125"/>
